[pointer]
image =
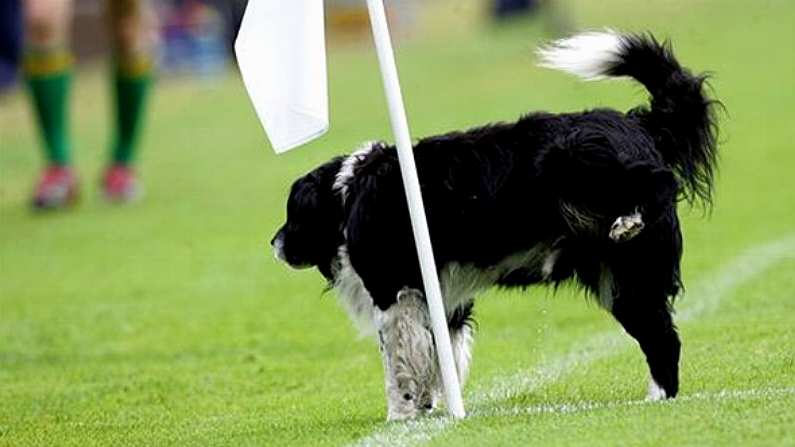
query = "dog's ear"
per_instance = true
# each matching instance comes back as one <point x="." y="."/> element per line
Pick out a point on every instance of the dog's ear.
<point x="316" y="189"/>
<point x="304" y="194"/>
<point x="326" y="174"/>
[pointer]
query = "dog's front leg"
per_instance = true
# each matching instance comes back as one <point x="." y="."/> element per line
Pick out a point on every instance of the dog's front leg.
<point x="462" y="339"/>
<point x="409" y="356"/>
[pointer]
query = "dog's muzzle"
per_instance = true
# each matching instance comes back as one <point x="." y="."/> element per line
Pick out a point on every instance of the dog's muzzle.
<point x="278" y="252"/>
<point x="278" y="248"/>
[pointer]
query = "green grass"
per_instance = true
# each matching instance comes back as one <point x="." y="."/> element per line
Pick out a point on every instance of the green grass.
<point x="167" y="322"/>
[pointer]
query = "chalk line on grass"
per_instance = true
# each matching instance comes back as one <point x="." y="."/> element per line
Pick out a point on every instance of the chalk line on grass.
<point x="705" y="297"/>
<point x="585" y="406"/>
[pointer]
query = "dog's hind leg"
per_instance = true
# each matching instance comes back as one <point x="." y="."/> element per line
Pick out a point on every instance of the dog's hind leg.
<point x="648" y="320"/>
<point x="644" y="279"/>
<point x="409" y="356"/>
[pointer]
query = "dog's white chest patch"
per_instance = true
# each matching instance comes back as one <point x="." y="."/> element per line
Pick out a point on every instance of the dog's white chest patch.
<point x="353" y="296"/>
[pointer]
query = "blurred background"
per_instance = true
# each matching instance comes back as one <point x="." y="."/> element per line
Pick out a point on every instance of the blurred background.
<point x="196" y="36"/>
<point x="166" y="320"/>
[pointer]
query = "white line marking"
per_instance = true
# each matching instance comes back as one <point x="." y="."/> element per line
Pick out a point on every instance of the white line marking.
<point x="585" y="406"/>
<point x="704" y="298"/>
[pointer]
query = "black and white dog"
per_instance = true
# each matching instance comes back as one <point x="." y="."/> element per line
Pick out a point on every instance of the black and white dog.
<point x="589" y="197"/>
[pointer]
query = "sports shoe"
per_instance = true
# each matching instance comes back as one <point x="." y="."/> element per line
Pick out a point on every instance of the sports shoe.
<point x="57" y="188"/>
<point x="119" y="184"/>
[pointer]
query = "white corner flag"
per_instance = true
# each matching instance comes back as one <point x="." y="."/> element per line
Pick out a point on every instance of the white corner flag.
<point x="281" y="51"/>
<point x="282" y="57"/>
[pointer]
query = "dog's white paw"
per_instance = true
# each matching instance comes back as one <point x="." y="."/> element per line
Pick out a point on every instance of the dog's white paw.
<point x="409" y="399"/>
<point x="626" y="227"/>
<point x="656" y="392"/>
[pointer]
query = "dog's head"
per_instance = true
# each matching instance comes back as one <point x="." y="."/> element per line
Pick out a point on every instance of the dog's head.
<point x="312" y="233"/>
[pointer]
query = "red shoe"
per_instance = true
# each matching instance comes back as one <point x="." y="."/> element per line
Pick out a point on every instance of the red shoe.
<point x="120" y="185"/>
<point x="57" y="188"/>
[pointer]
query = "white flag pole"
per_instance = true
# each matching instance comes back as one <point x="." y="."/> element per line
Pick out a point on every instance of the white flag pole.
<point x="411" y="184"/>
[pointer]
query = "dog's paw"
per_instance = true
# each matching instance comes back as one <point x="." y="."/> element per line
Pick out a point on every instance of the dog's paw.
<point x="404" y="405"/>
<point x="656" y="392"/>
<point x="626" y="227"/>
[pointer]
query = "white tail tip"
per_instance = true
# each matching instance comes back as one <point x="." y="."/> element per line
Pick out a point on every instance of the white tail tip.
<point x="588" y="55"/>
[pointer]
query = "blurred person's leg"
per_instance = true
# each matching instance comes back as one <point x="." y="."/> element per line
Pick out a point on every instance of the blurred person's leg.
<point x="556" y="20"/>
<point x="47" y="67"/>
<point x="10" y="41"/>
<point x="134" y="32"/>
<point x="509" y="8"/>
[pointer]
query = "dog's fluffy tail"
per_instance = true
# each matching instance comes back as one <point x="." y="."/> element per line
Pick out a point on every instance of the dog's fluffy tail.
<point x="681" y="116"/>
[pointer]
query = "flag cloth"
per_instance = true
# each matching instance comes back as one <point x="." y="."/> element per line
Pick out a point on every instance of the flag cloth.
<point x="281" y="51"/>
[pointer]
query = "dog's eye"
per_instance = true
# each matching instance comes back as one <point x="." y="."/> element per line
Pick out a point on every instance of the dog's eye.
<point x="407" y="396"/>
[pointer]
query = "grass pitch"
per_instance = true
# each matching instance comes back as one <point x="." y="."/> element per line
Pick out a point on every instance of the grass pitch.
<point x="167" y="322"/>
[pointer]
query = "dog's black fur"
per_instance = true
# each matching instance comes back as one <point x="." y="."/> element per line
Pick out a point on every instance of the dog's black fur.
<point x="314" y="220"/>
<point x="557" y="181"/>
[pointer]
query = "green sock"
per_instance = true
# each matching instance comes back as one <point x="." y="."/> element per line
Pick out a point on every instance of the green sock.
<point x="48" y="75"/>
<point x="131" y="85"/>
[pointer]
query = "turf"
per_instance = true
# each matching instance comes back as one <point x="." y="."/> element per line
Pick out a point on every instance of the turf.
<point x="167" y="322"/>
